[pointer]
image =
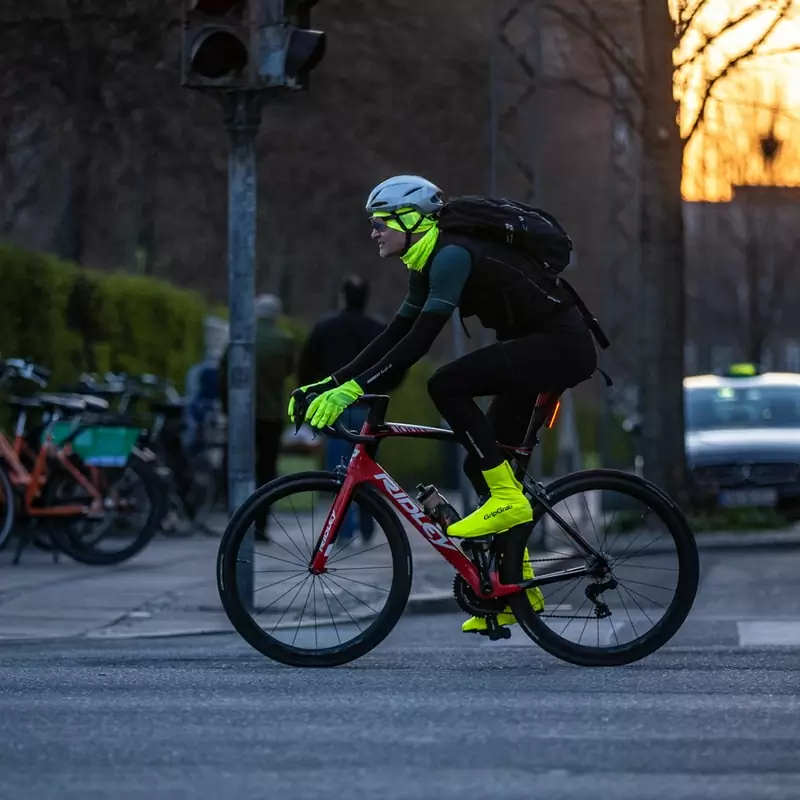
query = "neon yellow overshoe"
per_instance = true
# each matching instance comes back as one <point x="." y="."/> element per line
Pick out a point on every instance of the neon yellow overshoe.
<point x="535" y="596"/>
<point x="506" y="507"/>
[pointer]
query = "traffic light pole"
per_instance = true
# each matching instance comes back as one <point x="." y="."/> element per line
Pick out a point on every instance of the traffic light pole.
<point x="242" y="52"/>
<point x="242" y="119"/>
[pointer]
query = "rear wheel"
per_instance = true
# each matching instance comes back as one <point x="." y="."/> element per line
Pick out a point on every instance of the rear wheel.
<point x="640" y="603"/>
<point x="7" y="506"/>
<point x="133" y="499"/>
<point x="299" y="618"/>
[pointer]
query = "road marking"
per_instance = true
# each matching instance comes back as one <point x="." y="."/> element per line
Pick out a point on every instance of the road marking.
<point x="766" y="633"/>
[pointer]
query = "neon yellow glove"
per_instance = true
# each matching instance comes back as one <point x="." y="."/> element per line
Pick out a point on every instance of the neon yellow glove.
<point x="327" y="408"/>
<point x="311" y="388"/>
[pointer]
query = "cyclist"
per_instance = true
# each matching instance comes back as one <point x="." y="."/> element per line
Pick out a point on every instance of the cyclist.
<point x="543" y="344"/>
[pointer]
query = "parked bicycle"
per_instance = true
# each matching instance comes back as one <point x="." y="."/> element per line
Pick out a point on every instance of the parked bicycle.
<point x="190" y="471"/>
<point x="602" y="606"/>
<point x="76" y="477"/>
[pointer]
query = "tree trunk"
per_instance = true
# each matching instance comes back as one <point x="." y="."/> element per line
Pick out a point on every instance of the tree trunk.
<point x="70" y="235"/>
<point x="663" y="311"/>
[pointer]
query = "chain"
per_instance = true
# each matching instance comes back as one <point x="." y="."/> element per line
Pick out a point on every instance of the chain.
<point x="541" y="560"/>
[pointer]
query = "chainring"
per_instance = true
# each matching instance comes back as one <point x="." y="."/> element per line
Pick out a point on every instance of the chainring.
<point x="473" y="605"/>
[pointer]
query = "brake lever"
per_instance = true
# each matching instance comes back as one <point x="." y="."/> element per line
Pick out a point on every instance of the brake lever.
<point x="301" y="403"/>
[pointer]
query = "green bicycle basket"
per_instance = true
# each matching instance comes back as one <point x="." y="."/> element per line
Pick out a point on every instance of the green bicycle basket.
<point x="101" y="446"/>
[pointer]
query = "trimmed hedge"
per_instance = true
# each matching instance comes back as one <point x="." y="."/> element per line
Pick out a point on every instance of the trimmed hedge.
<point x="71" y="320"/>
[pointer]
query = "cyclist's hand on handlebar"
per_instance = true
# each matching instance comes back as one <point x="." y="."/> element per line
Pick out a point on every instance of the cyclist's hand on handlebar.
<point x="311" y="388"/>
<point x="328" y="407"/>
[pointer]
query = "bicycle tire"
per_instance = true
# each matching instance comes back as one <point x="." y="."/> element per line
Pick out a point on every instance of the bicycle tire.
<point x="7" y="508"/>
<point x="227" y="579"/>
<point x="85" y="553"/>
<point x="688" y="572"/>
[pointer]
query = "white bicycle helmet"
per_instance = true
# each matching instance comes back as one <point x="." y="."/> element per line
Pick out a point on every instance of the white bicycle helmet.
<point x="405" y="191"/>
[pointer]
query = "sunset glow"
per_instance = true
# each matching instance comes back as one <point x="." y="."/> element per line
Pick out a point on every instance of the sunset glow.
<point x="726" y="149"/>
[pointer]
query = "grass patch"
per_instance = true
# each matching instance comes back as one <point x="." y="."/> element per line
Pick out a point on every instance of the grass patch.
<point x="736" y="519"/>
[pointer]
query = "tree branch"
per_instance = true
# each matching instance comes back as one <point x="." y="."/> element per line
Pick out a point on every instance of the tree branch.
<point x="782" y="51"/>
<point x="711" y="38"/>
<point x="610" y="48"/>
<point x="685" y="21"/>
<point x="736" y="60"/>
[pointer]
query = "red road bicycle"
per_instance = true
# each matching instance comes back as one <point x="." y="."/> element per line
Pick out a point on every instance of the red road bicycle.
<point x="342" y="614"/>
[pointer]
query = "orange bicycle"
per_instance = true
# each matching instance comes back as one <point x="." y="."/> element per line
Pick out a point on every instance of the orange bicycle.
<point x="83" y="503"/>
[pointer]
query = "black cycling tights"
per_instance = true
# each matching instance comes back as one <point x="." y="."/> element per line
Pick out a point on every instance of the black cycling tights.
<point x="514" y="373"/>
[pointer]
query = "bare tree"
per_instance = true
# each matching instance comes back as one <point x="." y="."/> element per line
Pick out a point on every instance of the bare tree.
<point x="663" y="51"/>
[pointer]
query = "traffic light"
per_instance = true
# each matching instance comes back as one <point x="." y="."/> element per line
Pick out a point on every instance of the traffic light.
<point x="217" y="44"/>
<point x="249" y="44"/>
<point x="305" y="47"/>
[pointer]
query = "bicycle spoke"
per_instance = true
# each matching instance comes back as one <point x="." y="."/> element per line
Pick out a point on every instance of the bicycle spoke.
<point x="325" y="598"/>
<point x="633" y="593"/>
<point x="336" y="598"/>
<point x="277" y="583"/>
<point x="355" y="597"/>
<point x="642" y="583"/>
<point x="630" y="618"/>
<point x="290" y="604"/>
<point x="280" y="524"/>
<point x="359" y="553"/>
<point x="302" y="612"/>
<point x="305" y="578"/>
<point x="361" y="583"/>
<point x="310" y="549"/>
<point x="316" y="640"/>
<point x="285" y="550"/>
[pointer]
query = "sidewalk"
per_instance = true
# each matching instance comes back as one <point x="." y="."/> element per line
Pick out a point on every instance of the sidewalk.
<point x="170" y="589"/>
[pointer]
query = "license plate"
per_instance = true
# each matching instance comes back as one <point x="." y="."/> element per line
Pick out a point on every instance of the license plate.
<point x="748" y="498"/>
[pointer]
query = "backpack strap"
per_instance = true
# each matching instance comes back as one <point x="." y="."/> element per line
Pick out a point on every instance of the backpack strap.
<point x="588" y="317"/>
<point x="606" y="377"/>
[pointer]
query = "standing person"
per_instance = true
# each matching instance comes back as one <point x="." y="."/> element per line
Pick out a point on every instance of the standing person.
<point x="333" y="342"/>
<point x="274" y="363"/>
<point x="544" y="344"/>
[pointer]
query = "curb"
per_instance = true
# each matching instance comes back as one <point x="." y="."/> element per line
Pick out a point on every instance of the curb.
<point x="420" y="604"/>
<point x="747" y="541"/>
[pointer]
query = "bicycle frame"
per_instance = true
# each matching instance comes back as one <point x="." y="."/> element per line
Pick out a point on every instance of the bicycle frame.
<point x="34" y="480"/>
<point x="363" y="468"/>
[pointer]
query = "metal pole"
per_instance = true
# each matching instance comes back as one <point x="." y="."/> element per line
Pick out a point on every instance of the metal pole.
<point x="242" y="119"/>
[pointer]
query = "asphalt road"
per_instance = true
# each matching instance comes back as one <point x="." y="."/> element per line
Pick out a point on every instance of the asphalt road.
<point x="430" y="714"/>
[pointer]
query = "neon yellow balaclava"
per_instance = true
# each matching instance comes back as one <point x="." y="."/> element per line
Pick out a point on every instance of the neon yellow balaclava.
<point x="418" y="254"/>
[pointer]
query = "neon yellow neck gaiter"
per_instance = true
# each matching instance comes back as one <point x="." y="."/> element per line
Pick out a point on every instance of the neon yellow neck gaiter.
<point x="419" y="252"/>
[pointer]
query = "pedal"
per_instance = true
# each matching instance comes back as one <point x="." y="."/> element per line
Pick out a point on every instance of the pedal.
<point x="500" y="633"/>
<point x="495" y="631"/>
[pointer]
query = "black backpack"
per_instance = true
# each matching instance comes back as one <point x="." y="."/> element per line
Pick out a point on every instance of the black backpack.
<point x="530" y="230"/>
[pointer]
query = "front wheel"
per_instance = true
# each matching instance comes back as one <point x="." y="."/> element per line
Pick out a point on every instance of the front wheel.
<point x="305" y="619"/>
<point x="646" y="593"/>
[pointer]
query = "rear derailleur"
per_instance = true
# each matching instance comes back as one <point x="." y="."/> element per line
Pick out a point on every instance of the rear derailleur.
<point x="593" y="592"/>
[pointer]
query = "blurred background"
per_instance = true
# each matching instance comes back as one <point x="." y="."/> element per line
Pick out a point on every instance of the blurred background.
<point x="114" y="186"/>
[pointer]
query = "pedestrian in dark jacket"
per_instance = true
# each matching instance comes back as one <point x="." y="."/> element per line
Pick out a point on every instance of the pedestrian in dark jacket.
<point x="333" y="342"/>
